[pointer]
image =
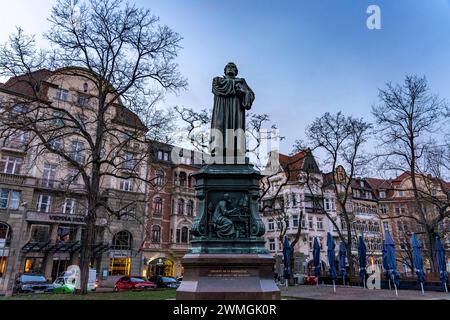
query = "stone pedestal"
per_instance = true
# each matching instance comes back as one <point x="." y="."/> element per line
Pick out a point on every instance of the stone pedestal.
<point x="228" y="277"/>
<point x="228" y="258"/>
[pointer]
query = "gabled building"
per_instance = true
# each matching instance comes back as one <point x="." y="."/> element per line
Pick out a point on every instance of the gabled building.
<point x="293" y="197"/>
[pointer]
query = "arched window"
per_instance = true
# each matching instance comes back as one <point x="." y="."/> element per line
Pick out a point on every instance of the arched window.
<point x="122" y="240"/>
<point x="180" y="206"/>
<point x="184" y="235"/>
<point x="182" y="179"/>
<point x="159" y="178"/>
<point x="190" y="208"/>
<point x="5" y="235"/>
<point x="157" y="206"/>
<point x="156" y="234"/>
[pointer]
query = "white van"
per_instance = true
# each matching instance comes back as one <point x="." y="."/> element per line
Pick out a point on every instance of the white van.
<point x="67" y="282"/>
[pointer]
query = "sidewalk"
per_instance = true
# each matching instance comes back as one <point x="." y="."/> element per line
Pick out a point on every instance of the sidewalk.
<point x="325" y="292"/>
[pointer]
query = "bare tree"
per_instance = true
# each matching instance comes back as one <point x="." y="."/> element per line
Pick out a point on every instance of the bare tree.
<point x="407" y="117"/>
<point x="126" y="58"/>
<point x="341" y="139"/>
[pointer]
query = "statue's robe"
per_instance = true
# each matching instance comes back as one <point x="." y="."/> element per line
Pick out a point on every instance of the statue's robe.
<point x="223" y="226"/>
<point x="232" y="97"/>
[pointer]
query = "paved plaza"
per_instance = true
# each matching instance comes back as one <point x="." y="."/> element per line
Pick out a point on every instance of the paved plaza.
<point x="325" y="292"/>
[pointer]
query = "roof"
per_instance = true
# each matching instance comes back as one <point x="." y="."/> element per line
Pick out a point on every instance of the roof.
<point x="24" y="85"/>
<point x="293" y="164"/>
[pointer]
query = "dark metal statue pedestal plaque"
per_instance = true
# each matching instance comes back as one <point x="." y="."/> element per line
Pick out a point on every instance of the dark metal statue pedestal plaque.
<point x="228" y="277"/>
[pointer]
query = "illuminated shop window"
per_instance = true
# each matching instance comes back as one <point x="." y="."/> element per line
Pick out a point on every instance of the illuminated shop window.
<point x="119" y="266"/>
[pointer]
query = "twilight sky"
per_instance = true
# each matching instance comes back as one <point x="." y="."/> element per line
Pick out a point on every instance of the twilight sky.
<point x="301" y="58"/>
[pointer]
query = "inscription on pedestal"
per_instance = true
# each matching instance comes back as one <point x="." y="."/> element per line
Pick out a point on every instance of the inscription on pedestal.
<point x="228" y="273"/>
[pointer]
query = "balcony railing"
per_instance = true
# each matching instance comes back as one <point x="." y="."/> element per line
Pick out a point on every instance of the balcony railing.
<point x="58" y="184"/>
<point x="10" y="178"/>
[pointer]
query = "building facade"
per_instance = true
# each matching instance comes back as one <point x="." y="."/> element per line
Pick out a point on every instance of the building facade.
<point x="43" y="204"/>
<point x="170" y="210"/>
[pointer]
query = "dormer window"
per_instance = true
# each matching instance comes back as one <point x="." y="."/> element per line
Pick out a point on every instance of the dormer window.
<point x="62" y="95"/>
<point x="382" y="194"/>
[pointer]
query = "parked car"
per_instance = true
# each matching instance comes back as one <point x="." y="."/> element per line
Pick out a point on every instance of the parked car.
<point x="165" y="282"/>
<point x="66" y="283"/>
<point x="32" y="283"/>
<point x="134" y="283"/>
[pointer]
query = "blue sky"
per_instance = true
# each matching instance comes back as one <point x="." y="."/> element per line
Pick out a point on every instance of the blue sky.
<point x="302" y="58"/>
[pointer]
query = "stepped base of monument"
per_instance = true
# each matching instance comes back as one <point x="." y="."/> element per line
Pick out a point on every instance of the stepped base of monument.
<point x="228" y="277"/>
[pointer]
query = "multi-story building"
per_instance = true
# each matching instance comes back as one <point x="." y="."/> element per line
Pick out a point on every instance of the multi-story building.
<point x="294" y="200"/>
<point x="399" y="214"/>
<point x="43" y="199"/>
<point x="171" y="209"/>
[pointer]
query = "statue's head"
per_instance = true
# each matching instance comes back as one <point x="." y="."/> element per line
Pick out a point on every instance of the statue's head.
<point x="226" y="197"/>
<point x="231" y="70"/>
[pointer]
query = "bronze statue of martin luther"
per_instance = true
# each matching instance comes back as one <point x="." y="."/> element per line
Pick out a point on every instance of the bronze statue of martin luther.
<point x="232" y="98"/>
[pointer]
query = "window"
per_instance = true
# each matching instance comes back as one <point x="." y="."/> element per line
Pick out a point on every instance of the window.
<point x="66" y="234"/>
<point x="157" y="206"/>
<point x="156" y="234"/>
<point x="180" y="206"/>
<point x="5" y="235"/>
<point x="178" y="235"/>
<point x="48" y="176"/>
<point x="129" y="161"/>
<point x="9" y="199"/>
<point x="20" y="109"/>
<point x="319" y="223"/>
<point x="69" y="206"/>
<point x="163" y="155"/>
<point x="400" y="208"/>
<point x="76" y="151"/>
<point x="62" y="94"/>
<point x="55" y="143"/>
<point x="271" y="225"/>
<point x="5" y="239"/>
<point x="385" y="225"/>
<point x="39" y="233"/>
<point x="383" y="208"/>
<point x="272" y="244"/>
<point x="17" y="139"/>
<point x="126" y="185"/>
<point x="58" y="118"/>
<point x="401" y="193"/>
<point x="33" y="265"/>
<point x="119" y="266"/>
<point x="182" y="179"/>
<point x="159" y="177"/>
<point x="303" y="222"/>
<point x="122" y="241"/>
<point x="11" y="164"/>
<point x="382" y="194"/>
<point x="44" y="202"/>
<point x="73" y="176"/>
<point x="294" y="200"/>
<point x="82" y="100"/>
<point x="190" y="208"/>
<point x="295" y="220"/>
<point x="184" y="235"/>
<point x="310" y="223"/>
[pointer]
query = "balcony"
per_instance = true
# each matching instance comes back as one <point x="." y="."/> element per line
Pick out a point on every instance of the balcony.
<point x="61" y="185"/>
<point x="9" y="178"/>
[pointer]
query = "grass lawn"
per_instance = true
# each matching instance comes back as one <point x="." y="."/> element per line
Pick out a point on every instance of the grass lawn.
<point x="159" y="294"/>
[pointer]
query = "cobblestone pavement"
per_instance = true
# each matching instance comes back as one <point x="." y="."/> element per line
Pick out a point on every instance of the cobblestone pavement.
<point x="325" y="292"/>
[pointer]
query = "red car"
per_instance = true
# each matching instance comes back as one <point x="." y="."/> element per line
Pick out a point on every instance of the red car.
<point x="133" y="283"/>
